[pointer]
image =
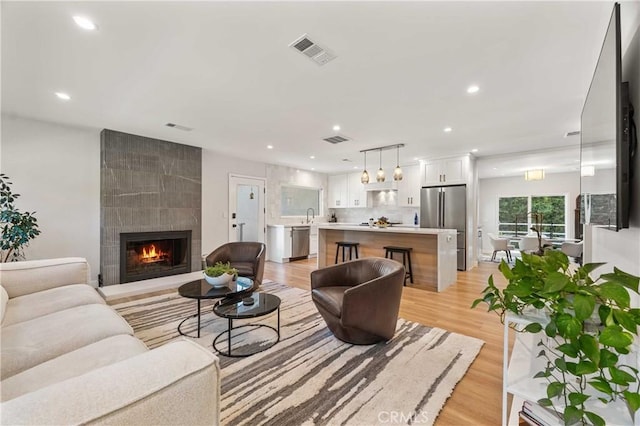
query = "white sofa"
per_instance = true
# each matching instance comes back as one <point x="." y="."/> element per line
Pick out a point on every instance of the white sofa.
<point x="68" y="358"/>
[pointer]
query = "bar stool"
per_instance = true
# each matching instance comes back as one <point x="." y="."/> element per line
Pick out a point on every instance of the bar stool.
<point x="344" y="245"/>
<point x="406" y="259"/>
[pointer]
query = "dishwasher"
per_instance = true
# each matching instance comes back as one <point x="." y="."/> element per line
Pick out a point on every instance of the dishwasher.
<point x="299" y="242"/>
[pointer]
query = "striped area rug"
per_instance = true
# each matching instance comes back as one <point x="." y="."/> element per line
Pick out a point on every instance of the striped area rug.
<point x="310" y="377"/>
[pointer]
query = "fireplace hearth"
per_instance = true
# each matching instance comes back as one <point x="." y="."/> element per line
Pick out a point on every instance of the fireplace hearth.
<point x="145" y="255"/>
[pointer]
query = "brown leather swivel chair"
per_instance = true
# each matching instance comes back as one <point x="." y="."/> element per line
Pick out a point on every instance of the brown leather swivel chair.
<point x="246" y="257"/>
<point x="359" y="300"/>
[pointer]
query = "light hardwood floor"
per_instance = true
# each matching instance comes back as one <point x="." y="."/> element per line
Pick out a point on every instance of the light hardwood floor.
<point x="477" y="399"/>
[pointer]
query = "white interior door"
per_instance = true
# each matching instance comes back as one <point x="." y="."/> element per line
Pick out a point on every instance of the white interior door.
<point x="246" y="208"/>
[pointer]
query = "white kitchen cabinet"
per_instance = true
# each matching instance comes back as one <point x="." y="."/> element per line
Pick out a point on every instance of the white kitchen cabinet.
<point x="313" y="240"/>
<point x="346" y="190"/>
<point x="409" y="187"/>
<point x="356" y="190"/>
<point x="445" y="171"/>
<point x="337" y="191"/>
<point x="279" y="243"/>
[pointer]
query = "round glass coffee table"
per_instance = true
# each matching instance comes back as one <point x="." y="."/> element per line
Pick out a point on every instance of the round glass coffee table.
<point x="246" y="307"/>
<point x="200" y="290"/>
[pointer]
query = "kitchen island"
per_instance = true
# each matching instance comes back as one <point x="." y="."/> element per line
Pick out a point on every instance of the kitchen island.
<point x="433" y="257"/>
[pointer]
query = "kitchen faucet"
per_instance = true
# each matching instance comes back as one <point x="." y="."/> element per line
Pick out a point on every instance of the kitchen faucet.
<point x="313" y="213"/>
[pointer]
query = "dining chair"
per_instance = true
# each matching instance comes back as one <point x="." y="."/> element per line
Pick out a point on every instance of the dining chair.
<point x="500" y="244"/>
<point x="573" y="250"/>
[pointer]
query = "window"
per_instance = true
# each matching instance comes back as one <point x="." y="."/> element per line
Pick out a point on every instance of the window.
<point x="553" y="215"/>
<point x="515" y="215"/>
<point x="296" y="200"/>
<point x="512" y="212"/>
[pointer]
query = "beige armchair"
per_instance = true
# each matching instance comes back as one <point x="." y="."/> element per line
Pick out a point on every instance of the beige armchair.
<point x="247" y="257"/>
<point x="359" y="300"/>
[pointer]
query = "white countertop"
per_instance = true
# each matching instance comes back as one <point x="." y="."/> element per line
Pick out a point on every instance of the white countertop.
<point x="397" y="229"/>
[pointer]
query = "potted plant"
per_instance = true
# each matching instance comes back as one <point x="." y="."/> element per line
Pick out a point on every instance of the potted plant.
<point x="17" y="228"/>
<point x="220" y="274"/>
<point x="589" y="328"/>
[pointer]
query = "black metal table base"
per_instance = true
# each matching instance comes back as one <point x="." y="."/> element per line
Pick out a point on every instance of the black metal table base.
<point x="231" y="328"/>
<point x="187" y="318"/>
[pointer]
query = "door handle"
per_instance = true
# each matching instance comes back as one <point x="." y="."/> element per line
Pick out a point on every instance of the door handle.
<point x="443" y="207"/>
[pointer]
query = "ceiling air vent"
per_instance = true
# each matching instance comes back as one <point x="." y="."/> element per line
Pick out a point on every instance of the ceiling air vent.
<point x="313" y="51"/>
<point x="574" y="133"/>
<point x="336" y="139"/>
<point x="179" y="127"/>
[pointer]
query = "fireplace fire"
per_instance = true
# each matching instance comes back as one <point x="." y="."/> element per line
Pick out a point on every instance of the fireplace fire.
<point x="150" y="255"/>
<point x="146" y="255"/>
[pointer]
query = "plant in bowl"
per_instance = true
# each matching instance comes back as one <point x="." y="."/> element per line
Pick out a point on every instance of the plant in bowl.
<point x="589" y="331"/>
<point x="382" y="222"/>
<point x="219" y="274"/>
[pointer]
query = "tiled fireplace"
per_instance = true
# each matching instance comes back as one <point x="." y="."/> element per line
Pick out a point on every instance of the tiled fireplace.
<point x="149" y="188"/>
<point x="146" y="255"/>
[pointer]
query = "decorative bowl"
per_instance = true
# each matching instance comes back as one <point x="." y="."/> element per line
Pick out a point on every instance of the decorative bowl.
<point x="219" y="281"/>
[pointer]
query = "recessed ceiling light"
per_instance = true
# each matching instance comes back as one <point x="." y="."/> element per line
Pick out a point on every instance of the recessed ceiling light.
<point x="415" y="158"/>
<point x="297" y="171"/>
<point x="269" y="146"/>
<point x="85" y="23"/>
<point x="312" y="168"/>
<point x="336" y="128"/>
<point x="474" y="150"/>
<point x="495" y="168"/>
<point x="355" y="167"/>
<point x="447" y="129"/>
<point x="473" y="89"/>
<point x="312" y="157"/>
<point x="63" y="96"/>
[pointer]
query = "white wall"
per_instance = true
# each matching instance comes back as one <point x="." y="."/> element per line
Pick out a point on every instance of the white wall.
<point x="215" y="194"/>
<point x="56" y="169"/>
<point x="490" y="190"/>
<point x="622" y="248"/>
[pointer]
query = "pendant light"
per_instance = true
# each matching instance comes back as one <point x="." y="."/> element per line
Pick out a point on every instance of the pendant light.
<point x="380" y="174"/>
<point x="365" y="175"/>
<point x="397" y="172"/>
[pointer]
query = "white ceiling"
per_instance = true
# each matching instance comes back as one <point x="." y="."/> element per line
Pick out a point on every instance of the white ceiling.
<point x="225" y="69"/>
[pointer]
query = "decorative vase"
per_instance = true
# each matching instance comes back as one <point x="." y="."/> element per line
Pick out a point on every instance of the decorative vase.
<point x="219" y="281"/>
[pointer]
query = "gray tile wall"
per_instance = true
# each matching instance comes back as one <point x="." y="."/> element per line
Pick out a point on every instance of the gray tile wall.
<point x="147" y="185"/>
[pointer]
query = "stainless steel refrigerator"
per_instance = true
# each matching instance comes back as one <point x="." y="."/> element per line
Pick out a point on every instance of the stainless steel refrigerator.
<point x="446" y="207"/>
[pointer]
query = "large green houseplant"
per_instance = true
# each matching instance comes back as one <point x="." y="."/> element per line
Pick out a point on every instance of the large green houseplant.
<point x="590" y="326"/>
<point x="16" y="228"/>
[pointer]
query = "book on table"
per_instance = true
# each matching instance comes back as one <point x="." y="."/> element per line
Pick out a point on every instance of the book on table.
<point x="542" y="416"/>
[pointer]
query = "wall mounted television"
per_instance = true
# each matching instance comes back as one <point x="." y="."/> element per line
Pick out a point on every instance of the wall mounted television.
<point x="607" y="143"/>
